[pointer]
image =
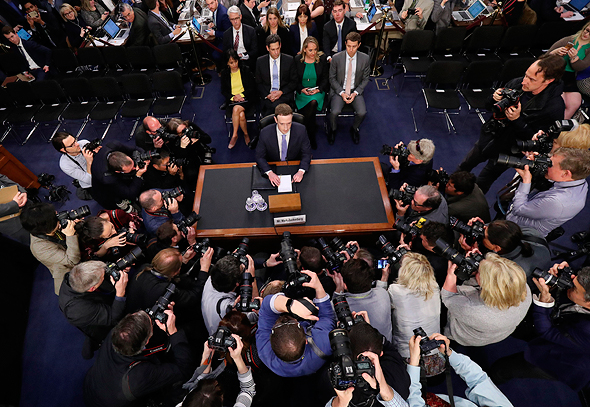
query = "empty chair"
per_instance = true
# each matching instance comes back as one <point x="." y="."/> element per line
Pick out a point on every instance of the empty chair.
<point x="64" y="63"/>
<point x="109" y="98"/>
<point x="484" y="42"/>
<point x="81" y="103"/>
<point x="27" y="105"/>
<point x="7" y="106"/>
<point x="141" y="59"/>
<point x="517" y="41"/>
<point x="448" y="45"/>
<point x="170" y="93"/>
<point x="91" y="61"/>
<point x="54" y="100"/>
<point x="478" y="83"/>
<point x="414" y="56"/>
<point x="116" y="60"/>
<point x="168" y="57"/>
<point x="138" y="97"/>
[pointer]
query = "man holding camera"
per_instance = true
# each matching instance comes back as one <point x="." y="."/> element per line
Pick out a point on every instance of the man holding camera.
<point x="539" y="106"/>
<point x="157" y="206"/>
<point x="76" y="161"/>
<point x="125" y="373"/>
<point x="146" y="135"/>
<point x="414" y="167"/>
<point x="88" y="302"/>
<point x="465" y="198"/>
<point x="116" y="177"/>
<point x="427" y="203"/>
<point x="549" y="209"/>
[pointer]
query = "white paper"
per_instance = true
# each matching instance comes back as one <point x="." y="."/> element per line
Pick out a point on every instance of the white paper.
<point x="290" y="14"/>
<point x="293" y="6"/>
<point x="285" y="185"/>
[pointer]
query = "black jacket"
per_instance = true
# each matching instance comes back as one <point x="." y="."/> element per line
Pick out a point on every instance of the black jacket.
<point x="250" y="40"/>
<point x="330" y="37"/>
<point x="248" y="82"/>
<point x="248" y="19"/>
<point x="287" y="74"/>
<point x="282" y="32"/>
<point x="139" y="33"/>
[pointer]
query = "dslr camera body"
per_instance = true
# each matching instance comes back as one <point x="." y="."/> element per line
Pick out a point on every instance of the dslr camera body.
<point x="467" y="266"/>
<point x="426" y="344"/>
<point x="393" y="256"/>
<point x="510" y="97"/>
<point x="293" y="287"/>
<point x="246" y="303"/>
<point x="140" y="158"/>
<point x="73" y="214"/>
<point x="473" y="233"/>
<point x="343" y="313"/>
<point x="222" y="340"/>
<point x="114" y="269"/>
<point x="187" y="222"/>
<point x="538" y="167"/>
<point x="156" y="313"/>
<point x="406" y="196"/>
<point x="563" y="281"/>
<point x="345" y="371"/>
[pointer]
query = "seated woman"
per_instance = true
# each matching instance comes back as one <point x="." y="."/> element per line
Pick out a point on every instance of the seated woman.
<point x="489" y="311"/>
<point x="302" y="28"/>
<point x="93" y="13"/>
<point x="273" y="24"/>
<point x="169" y="11"/>
<point x="239" y="88"/>
<point x="316" y="8"/>
<point x="75" y="26"/>
<point x="415" y="299"/>
<point x="574" y="50"/>
<point x="312" y="84"/>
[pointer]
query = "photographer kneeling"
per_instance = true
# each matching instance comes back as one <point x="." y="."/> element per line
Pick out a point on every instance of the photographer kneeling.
<point x="409" y="164"/>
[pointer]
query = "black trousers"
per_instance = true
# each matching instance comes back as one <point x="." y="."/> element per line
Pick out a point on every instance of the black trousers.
<point x="516" y="367"/>
<point x="490" y="173"/>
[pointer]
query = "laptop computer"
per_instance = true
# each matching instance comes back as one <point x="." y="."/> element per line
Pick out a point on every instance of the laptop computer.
<point x="471" y="13"/>
<point x="197" y="25"/>
<point x="368" y="16"/>
<point x="576" y="6"/>
<point x="112" y="30"/>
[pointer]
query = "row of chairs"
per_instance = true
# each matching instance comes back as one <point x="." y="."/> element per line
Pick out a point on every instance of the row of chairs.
<point x="89" y="100"/>
<point x="446" y="81"/>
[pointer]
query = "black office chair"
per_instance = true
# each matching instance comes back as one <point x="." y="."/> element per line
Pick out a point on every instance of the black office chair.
<point x="54" y="101"/>
<point x="414" y="55"/>
<point x="7" y="106"/>
<point x="141" y="59"/>
<point x="109" y="98"/>
<point x="440" y="90"/>
<point x="513" y="68"/>
<point x="477" y="85"/>
<point x="27" y="105"/>
<point x="81" y="103"/>
<point x="64" y="64"/>
<point x="484" y="42"/>
<point x="170" y="93"/>
<point x="91" y="62"/>
<point x="517" y="41"/>
<point x="551" y="32"/>
<point x="117" y="60"/>
<point x="137" y="89"/>
<point x="270" y="119"/>
<point x="168" y="57"/>
<point x="448" y="45"/>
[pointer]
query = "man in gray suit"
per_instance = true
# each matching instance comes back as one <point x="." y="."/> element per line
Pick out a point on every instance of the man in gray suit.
<point x="349" y="74"/>
<point x="163" y="30"/>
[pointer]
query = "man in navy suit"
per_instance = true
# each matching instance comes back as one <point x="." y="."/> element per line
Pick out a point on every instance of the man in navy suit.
<point x="276" y="76"/>
<point x="241" y="38"/>
<point x="220" y="19"/>
<point x="30" y="57"/>
<point x="336" y="30"/>
<point x="284" y="142"/>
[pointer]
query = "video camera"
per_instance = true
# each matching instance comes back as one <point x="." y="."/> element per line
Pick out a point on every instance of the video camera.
<point x="57" y="193"/>
<point x="156" y="313"/>
<point x="345" y="371"/>
<point x="538" y="167"/>
<point x="405" y="196"/>
<point x="242" y="251"/>
<point x="393" y="256"/>
<point x="343" y="313"/>
<point x="140" y="158"/>
<point x="544" y="142"/>
<point x="187" y="222"/>
<point x="563" y="281"/>
<point x="246" y="303"/>
<point x="510" y="97"/>
<point x="467" y="266"/>
<point x="473" y="233"/>
<point x="73" y="214"/>
<point x="114" y="269"/>
<point x="293" y="287"/>
<point x="222" y="340"/>
<point x="426" y="345"/>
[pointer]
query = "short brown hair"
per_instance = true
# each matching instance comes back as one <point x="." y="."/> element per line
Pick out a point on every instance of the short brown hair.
<point x="353" y="36"/>
<point x="7" y="30"/>
<point x="337" y="3"/>
<point x="574" y="160"/>
<point x="287" y="339"/>
<point x="283" y="110"/>
<point x="552" y="66"/>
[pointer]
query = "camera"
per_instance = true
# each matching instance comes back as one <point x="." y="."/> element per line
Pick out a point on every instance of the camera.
<point x="467" y="266"/>
<point x="400" y="152"/>
<point x="426" y="345"/>
<point x="411" y="11"/>
<point x="114" y="269"/>
<point x="179" y="162"/>
<point x="140" y="158"/>
<point x="287" y="254"/>
<point x="164" y="135"/>
<point x="406" y="196"/>
<point x="410" y="230"/>
<point x="246" y="303"/>
<point x="538" y="167"/>
<point x="173" y="193"/>
<point x="222" y="340"/>
<point x="339" y="246"/>
<point x="208" y="151"/>
<point x="93" y="145"/>
<point x="56" y="193"/>
<point x="334" y="260"/>
<point x="346" y="372"/>
<point x="562" y="281"/>
<point x="473" y="233"/>
<point x="156" y="313"/>
<point x="393" y="256"/>
<point x="343" y="313"/>
<point x="242" y="251"/>
<point x="510" y="97"/>
<point x="544" y="142"/>
<point x="136" y="238"/>
<point x="440" y="177"/>
<point x="187" y="222"/>
<point x="73" y="214"/>
<point x="293" y="287"/>
<point x="200" y="248"/>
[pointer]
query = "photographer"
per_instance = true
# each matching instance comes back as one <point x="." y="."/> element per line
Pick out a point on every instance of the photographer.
<point x="481" y="391"/>
<point x="539" y="106"/>
<point x="414" y="168"/>
<point x="116" y="177"/>
<point x="489" y="312"/>
<point x="123" y="376"/>
<point x="290" y="348"/>
<point x="169" y="235"/>
<point x="427" y="203"/>
<point x="76" y="161"/>
<point x="547" y="210"/>
<point x="576" y="138"/>
<point x="193" y="141"/>
<point x="559" y="351"/>
<point x="155" y="210"/>
<point x="465" y="198"/>
<point x="146" y="136"/>
<point x="163" y="173"/>
<point x="90" y="303"/>
<point x="510" y="241"/>
<point x="219" y="294"/>
<point x="56" y="248"/>
<point x="429" y="234"/>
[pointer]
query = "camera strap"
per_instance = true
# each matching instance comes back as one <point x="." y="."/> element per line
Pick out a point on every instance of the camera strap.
<point x="306" y="303"/>
<point x="218" y="306"/>
<point x="311" y="342"/>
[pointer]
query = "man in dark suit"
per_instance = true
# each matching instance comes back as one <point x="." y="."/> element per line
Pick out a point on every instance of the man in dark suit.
<point x="220" y="19"/>
<point x="336" y="30"/>
<point x="242" y="38"/>
<point x="250" y="13"/>
<point x="138" y="32"/>
<point x="28" y="55"/>
<point x="347" y="85"/>
<point x="47" y="30"/>
<point x="284" y="142"/>
<point x="13" y="12"/>
<point x="163" y="30"/>
<point x="276" y="76"/>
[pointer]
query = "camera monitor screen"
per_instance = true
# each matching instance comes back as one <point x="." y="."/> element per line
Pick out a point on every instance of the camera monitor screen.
<point x="476" y="8"/>
<point x="111" y="28"/>
<point x="196" y="24"/>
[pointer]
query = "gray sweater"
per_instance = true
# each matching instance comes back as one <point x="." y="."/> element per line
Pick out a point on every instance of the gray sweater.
<point x="472" y="323"/>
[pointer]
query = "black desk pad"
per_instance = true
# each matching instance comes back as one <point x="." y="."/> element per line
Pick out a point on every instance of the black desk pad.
<point x="331" y="194"/>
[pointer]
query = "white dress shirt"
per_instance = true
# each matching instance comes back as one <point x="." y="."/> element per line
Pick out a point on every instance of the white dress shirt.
<point x="32" y="64"/>
<point x="241" y="48"/>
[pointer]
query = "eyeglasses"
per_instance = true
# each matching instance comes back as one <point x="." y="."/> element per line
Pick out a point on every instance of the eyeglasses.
<point x="72" y="145"/>
<point x="416" y="203"/>
<point x="418" y="145"/>
<point x="67" y="13"/>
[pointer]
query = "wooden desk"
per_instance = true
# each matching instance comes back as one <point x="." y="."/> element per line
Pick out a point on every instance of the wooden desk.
<point x="338" y="196"/>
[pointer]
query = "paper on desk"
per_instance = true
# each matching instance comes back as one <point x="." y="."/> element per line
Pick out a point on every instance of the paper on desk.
<point x="362" y="26"/>
<point x="285" y="185"/>
<point x="293" y="6"/>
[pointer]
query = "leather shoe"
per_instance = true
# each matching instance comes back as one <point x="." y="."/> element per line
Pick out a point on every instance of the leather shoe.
<point x="331" y="137"/>
<point x="356" y="136"/>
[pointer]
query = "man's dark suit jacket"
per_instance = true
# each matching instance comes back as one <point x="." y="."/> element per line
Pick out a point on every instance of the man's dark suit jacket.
<point x="268" y="147"/>
<point x="11" y="14"/>
<point x="52" y="31"/>
<point x="140" y="33"/>
<point x="331" y="34"/>
<point x="40" y="54"/>
<point x="250" y="40"/>
<point x="222" y="22"/>
<point x="287" y="76"/>
<point x="248" y="19"/>
<point x="295" y="37"/>
<point x="157" y="27"/>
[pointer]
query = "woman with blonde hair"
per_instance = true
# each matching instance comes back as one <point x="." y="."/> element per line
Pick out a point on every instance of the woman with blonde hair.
<point x="273" y="24"/>
<point x="74" y="25"/>
<point x="578" y="138"/>
<point x="489" y="311"/>
<point x="415" y="300"/>
<point x="93" y="13"/>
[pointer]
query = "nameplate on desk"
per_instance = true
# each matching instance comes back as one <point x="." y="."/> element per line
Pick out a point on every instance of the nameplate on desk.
<point x="290" y="220"/>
